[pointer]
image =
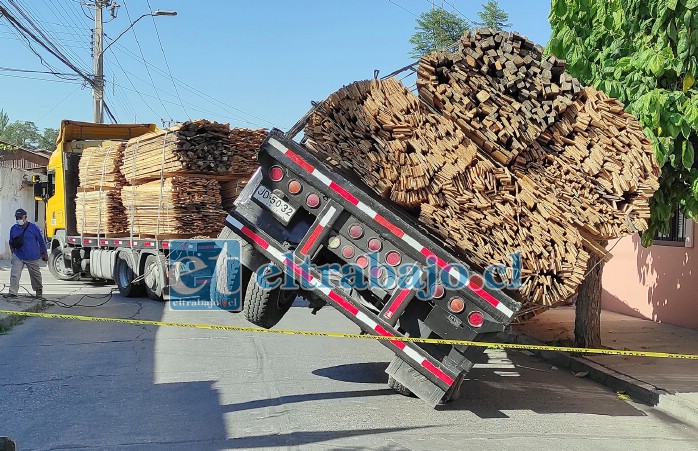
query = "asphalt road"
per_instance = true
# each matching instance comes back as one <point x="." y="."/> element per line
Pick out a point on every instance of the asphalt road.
<point x="90" y="385"/>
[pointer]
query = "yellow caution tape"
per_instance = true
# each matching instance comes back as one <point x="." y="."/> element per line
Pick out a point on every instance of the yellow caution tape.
<point x="482" y="344"/>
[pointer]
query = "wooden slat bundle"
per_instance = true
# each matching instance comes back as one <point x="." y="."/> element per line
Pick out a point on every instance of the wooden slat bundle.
<point x="177" y="206"/>
<point x="194" y="147"/>
<point x="498" y="88"/>
<point x="422" y="161"/>
<point x="599" y="162"/>
<point x="100" y="213"/>
<point x="100" y="167"/>
<point x="568" y="142"/>
<point x="246" y="144"/>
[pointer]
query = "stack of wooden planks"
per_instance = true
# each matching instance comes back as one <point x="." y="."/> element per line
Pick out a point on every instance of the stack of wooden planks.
<point x="100" y="213"/>
<point x="422" y="161"/>
<point x="99" y="210"/>
<point x="182" y="179"/>
<point x="520" y="157"/>
<point x="176" y="207"/>
<point x="528" y="114"/>
<point x="193" y="147"/>
<point x="100" y="167"/>
<point x="246" y="144"/>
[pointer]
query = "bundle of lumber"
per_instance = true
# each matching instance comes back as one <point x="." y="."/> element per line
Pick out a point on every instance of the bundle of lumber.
<point x="175" y="206"/>
<point x="519" y="157"/>
<point x="100" y="167"/>
<point x="230" y="190"/>
<point x="245" y="147"/>
<point x="193" y="147"/>
<point x="100" y="213"/>
<point x="498" y="89"/>
<point x="422" y="161"/>
<point x="565" y="140"/>
<point x="246" y="144"/>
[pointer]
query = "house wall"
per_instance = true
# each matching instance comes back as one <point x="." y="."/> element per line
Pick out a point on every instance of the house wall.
<point x="657" y="283"/>
<point x="13" y="195"/>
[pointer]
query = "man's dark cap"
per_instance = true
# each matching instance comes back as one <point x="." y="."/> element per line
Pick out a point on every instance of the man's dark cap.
<point x="20" y="213"/>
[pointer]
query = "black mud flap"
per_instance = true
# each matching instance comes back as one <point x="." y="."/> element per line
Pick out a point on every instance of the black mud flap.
<point x="418" y="384"/>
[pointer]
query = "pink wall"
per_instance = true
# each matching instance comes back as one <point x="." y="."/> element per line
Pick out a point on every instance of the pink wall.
<point x="656" y="283"/>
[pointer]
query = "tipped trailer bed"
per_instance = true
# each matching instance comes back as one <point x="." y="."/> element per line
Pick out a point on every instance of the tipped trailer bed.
<point x="295" y="210"/>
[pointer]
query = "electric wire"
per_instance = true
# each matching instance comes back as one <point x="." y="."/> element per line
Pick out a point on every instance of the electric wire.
<point x="145" y="63"/>
<point x="167" y="64"/>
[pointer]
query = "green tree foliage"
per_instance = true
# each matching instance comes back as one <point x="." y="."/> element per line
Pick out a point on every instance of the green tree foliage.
<point x="47" y="139"/>
<point x="26" y="134"/>
<point x="646" y="54"/>
<point x="493" y="16"/>
<point x="436" y="29"/>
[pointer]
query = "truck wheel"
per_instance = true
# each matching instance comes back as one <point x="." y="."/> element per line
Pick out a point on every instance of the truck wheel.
<point x="397" y="387"/>
<point x="57" y="268"/>
<point x="154" y="280"/>
<point x="124" y="275"/>
<point x="264" y="307"/>
<point x="228" y="278"/>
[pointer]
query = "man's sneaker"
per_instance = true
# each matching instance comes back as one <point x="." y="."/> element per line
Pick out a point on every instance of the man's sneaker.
<point x="10" y="295"/>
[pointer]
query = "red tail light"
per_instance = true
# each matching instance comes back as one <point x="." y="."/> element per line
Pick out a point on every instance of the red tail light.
<point x="476" y="319"/>
<point x="456" y="305"/>
<point x="439" y="291"/>
<point x="362" y="262"/>
<point x="374" y="244"/>
<point x="276" y="173"/>
<point x="347" y="252"/>
<point x="356" y="231"/>
<point x="313" y="200"/>
<point x="294" y="187"/>
<point x="393" y="258"/>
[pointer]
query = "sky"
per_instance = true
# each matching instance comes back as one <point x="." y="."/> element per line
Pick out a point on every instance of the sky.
<point x="248" y="63"/>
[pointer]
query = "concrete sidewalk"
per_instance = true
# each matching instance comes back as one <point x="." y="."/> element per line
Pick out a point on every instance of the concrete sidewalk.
<point x="671" y="384"/>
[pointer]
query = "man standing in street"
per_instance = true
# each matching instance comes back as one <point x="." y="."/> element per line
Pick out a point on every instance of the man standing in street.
<point x="28" y="246"/>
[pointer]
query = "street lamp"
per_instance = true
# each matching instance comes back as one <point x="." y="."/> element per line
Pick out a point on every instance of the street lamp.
<point x="155" y="13"/>
<point x="98" y="52"/>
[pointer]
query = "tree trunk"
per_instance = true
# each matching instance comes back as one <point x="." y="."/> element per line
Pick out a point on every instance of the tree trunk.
<point x="587" y="321"/>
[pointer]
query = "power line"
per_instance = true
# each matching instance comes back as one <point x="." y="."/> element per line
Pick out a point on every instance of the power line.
<point x="58" y="104"/>
<point x="53" y="80"/>
<point x="402" y="7"/>
<point x="191" y="89"/>
<point x="48" y="46"/>
<point x="30" y="71"/>
<point x="131" y="82"/>
<point x="162" y="49"/>
<point x="145" y="62"/>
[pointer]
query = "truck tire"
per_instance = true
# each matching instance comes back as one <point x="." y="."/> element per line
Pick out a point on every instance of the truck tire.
<point x="265" y="307"/>
<point x="124" y="275"/>
<point x="223" y="278"/>
<point x="57" y="268"/>
<point x="154" y="280"/>
<point x="398" y="388"/>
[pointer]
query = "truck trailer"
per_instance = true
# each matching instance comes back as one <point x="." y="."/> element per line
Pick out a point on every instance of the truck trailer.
<point x="295" y="211"/>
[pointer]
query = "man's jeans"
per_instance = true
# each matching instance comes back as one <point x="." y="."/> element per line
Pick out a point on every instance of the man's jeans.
<point x="34" y="274"/>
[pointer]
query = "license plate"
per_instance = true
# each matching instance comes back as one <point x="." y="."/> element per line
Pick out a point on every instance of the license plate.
<point x="273" y="203"/>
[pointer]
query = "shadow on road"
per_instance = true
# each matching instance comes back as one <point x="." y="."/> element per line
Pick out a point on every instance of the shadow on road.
<point x="292" y="399"/>
<point x="306" y="438"/>
<point x="360" y="373"/>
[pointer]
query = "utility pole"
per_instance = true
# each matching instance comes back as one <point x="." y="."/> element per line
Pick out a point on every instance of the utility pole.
<point x="98" y="88"/>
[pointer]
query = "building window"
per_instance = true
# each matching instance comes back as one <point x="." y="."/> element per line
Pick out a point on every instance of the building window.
<point x="680" y="232"/>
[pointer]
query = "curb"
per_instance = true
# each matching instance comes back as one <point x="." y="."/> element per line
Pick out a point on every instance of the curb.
<point x="7" y="321"/>
<point x="639" y="391"/>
